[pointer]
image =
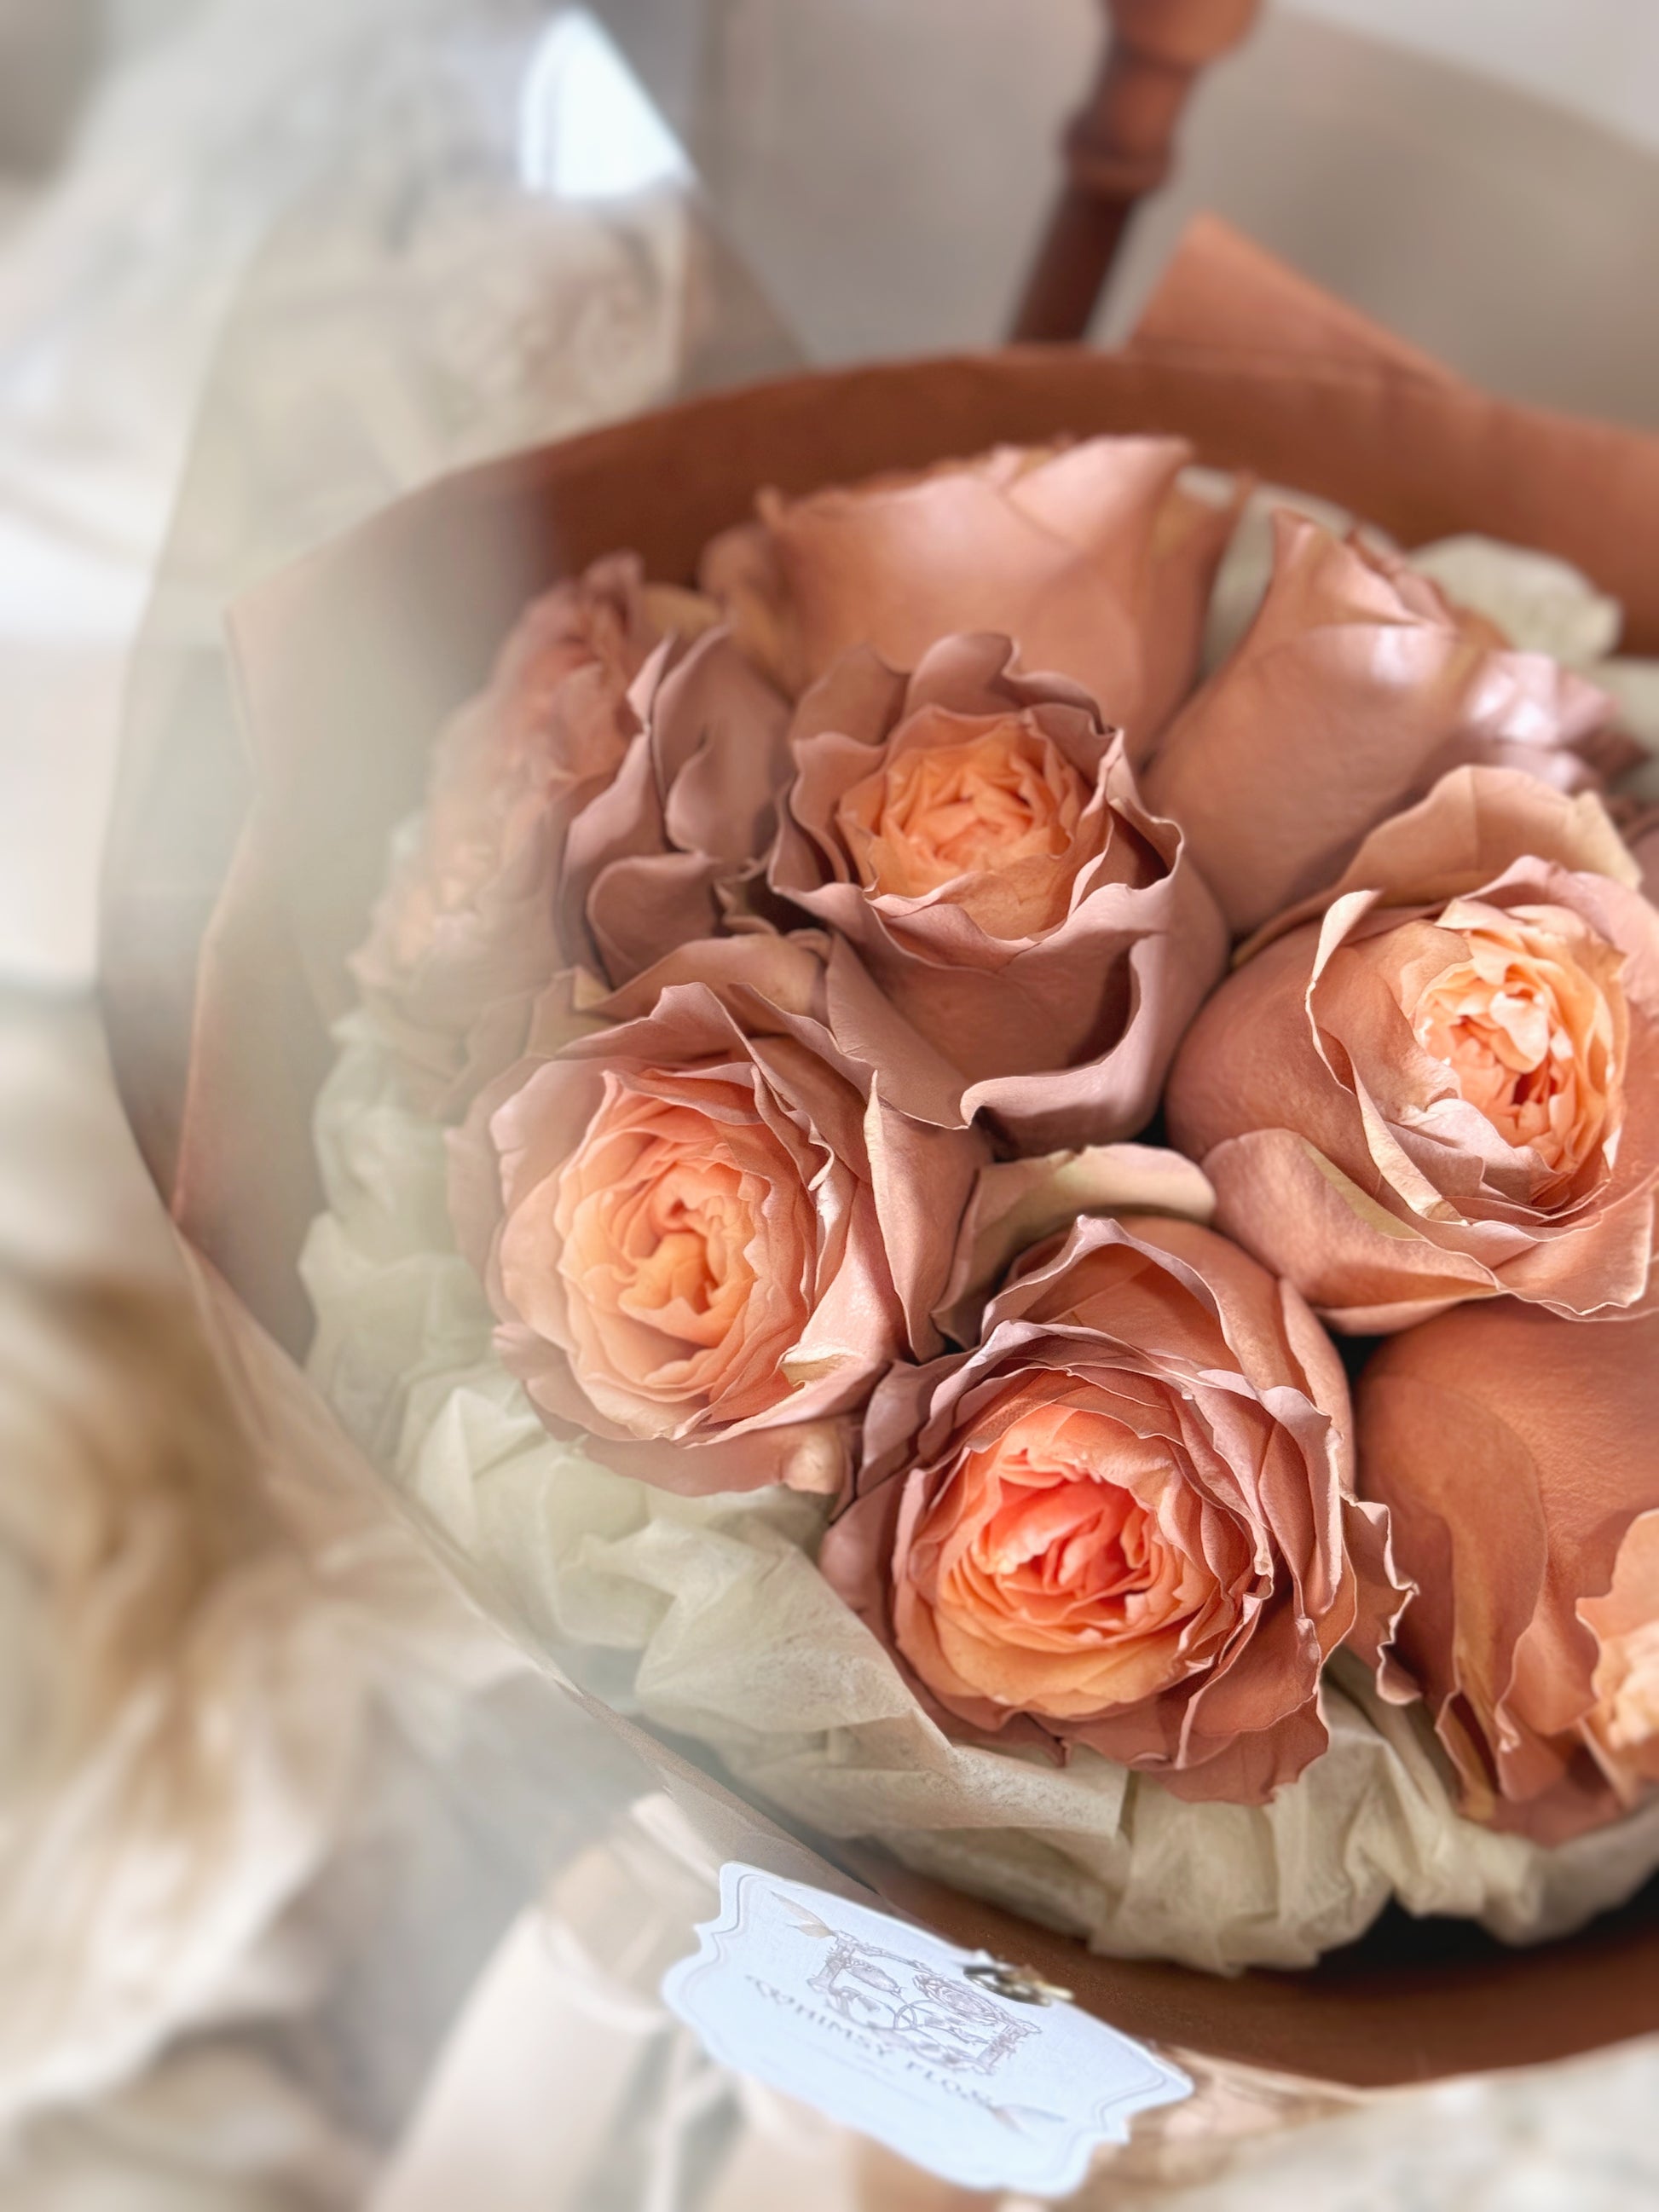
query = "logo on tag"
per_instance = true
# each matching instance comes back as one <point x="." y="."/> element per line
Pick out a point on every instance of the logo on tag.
<point x="889" y="2029"/>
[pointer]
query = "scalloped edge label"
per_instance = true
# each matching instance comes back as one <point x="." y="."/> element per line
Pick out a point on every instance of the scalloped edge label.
<point x="878" y="2023"/>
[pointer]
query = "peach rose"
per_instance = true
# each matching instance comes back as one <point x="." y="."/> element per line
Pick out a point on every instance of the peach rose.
<point x="1355" y="688"/>
<point x="1092" y="556"/>
<point x="1125" y="1518"/>
<point x="703" y="1232"/>
<point x="1448" y="1086"/>
<point x="466" y="924"/>
<point x="1515" y="1453"/>
<point x="976" y="833"/>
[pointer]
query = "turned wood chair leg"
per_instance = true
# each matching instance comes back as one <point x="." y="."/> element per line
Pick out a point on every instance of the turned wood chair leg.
<point x="1121" y="147"/>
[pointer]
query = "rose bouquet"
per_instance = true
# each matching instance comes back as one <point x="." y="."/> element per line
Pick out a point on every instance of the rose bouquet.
<point x="991" y="1154"/>
<point x="898" y="1036"/>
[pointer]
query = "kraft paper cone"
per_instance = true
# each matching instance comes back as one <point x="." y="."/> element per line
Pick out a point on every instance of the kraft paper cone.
<point x="349" y="663"/>
<point x="1266" y="372"/>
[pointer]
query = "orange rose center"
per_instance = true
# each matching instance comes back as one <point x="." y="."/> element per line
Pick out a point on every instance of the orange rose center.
<point x="1063" y="1563"/>
<point x="1001" y="801"/>
<point x="1529" y="1021"/>
<point x="684" y="1243"/>
<point x="677" y="1248"/>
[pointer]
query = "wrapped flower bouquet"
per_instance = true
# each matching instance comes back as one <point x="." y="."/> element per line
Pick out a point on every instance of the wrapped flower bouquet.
<point x="992" y="1151"/>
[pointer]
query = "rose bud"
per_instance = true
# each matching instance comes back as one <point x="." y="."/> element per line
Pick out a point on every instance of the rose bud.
<point x="1515" y="1453"/>
<point x="1125" y="1518"/>
<point x="1447" y="1087"/>
<point x="975" y="833"/>
<point x="467" y="922"/>
<point x="1092" y="557"/>
<point x="1355" y="688"/>
<point x="672" y="848"/>
<point x="704" y="1233"/>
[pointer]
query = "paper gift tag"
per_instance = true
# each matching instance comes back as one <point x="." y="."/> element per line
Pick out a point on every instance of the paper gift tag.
<point x="892" y="2031"/>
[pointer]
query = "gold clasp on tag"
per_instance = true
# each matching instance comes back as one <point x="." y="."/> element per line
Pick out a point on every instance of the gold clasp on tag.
<point x="1021" y="1984"/>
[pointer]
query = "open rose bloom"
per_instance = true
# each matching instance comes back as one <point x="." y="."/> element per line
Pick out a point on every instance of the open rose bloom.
<point x="1126" y="1517"/>
<point x="700" y="1228"/>
<point x="1444" y="1083"/>
<point x="977" y="838"/>
<point x="1046" y="1255"/>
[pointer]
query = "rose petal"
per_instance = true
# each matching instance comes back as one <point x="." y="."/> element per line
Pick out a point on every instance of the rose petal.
<point x="1092" y="556"/>
<point x="1353" y="689"/>
<point x="1514" y="1453"/>
<point x="1388" y="1170"/>
<point x="653" y="859"/>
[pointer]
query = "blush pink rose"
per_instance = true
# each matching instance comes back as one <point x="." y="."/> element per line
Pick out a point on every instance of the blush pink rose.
<point x="1125" y="1518"/>
<point x="1515" y="1453"/>
<point x="704" y="1233"/>
<point x="975" y="833"/>
<point x="466" y="925"/>
<point x="1447" y="1085"/>
<point x="1355" y="688"/>
<point x="1091" y="557"/>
